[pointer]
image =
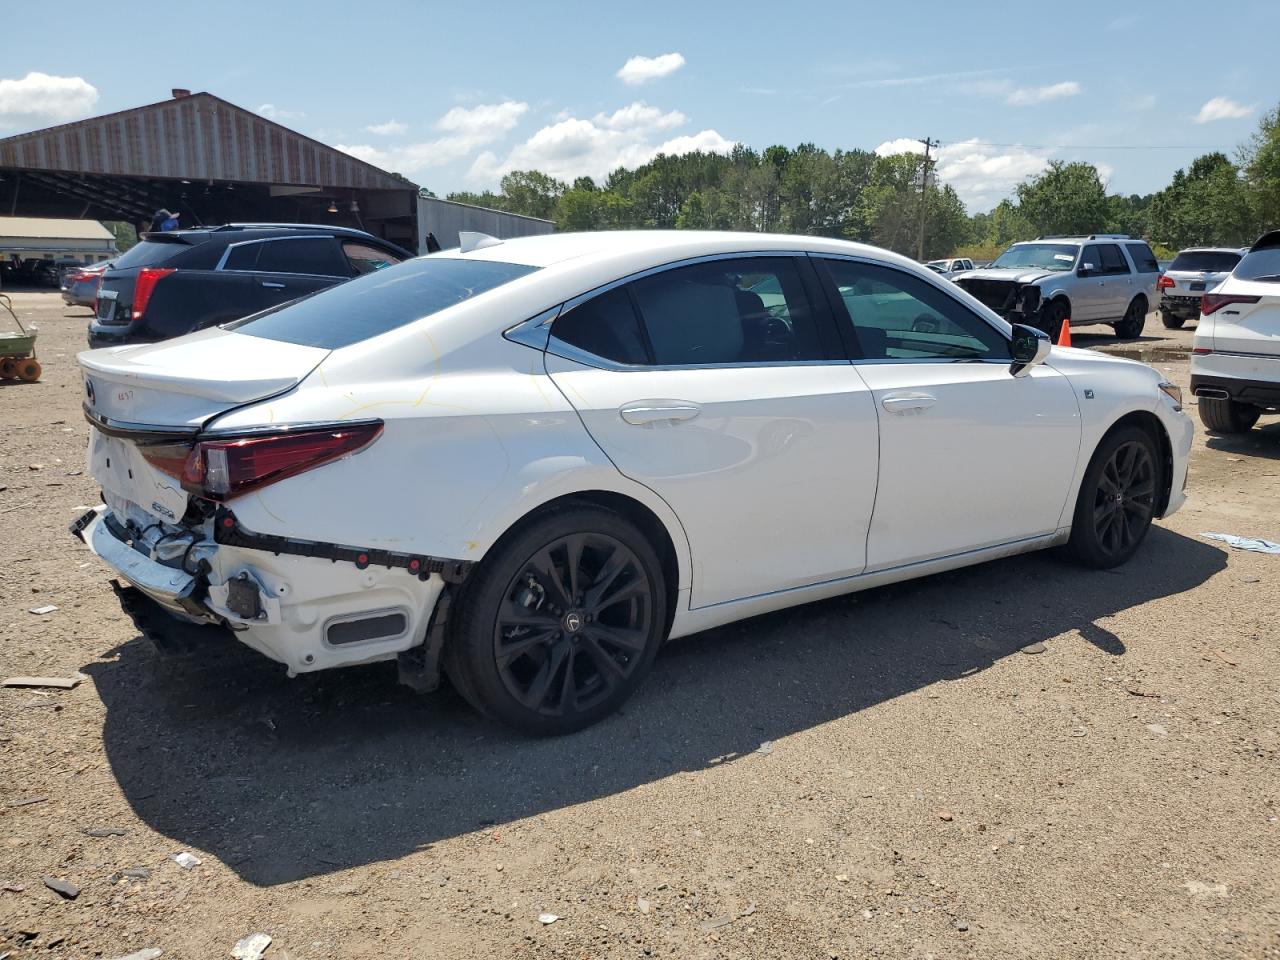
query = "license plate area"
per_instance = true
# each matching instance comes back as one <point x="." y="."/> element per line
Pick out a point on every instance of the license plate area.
<point x="1196" y="285"/>
<point x="129" y="483"/>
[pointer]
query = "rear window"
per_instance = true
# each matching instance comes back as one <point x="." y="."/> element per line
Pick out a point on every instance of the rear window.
<point x="1215" y="261"/>
<point x="1260" y="265"/>
<point x="378" y="302"/>
<point x="150" y="253"/>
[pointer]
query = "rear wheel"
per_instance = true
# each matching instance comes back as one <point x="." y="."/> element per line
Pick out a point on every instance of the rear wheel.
<point x="1170" y="321"/>
<point x="1227" y="416"/>
<point x="1135" y="318"/>
<point x="8" y="368"/>
<point x="1117" y="499"/>
<point x="560" y="623"/>
<point x="29" y="370"/>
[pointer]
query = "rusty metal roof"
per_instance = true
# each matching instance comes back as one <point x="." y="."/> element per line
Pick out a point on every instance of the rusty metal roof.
<point x="196" y="137"/>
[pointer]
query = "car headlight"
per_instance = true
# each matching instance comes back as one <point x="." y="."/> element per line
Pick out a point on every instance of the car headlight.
<point x="1173" y="392"/>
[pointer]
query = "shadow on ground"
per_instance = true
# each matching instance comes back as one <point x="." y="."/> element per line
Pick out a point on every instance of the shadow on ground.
<point x="285" y="779"/>
<point x="1262" y="441"/>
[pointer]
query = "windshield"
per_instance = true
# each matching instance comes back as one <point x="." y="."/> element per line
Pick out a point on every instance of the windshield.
<point x="1041" y="256"/>
<point x="380" y="301"/>
<point x="1216" y="261"/>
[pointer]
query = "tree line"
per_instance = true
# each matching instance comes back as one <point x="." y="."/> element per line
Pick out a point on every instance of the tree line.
<point x="857" y="195"/>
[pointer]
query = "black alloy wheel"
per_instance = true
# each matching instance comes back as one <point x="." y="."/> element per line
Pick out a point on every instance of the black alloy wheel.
<point x="1117" y="500"/>
<point x="1135" y="318"/>
<point x="560" y="623"/>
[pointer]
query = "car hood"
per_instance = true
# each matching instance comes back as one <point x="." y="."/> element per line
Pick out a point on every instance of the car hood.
<point x="1014" y="274"/>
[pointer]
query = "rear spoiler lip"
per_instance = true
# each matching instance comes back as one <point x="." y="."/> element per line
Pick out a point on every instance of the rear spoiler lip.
<point x="146" y="433"/>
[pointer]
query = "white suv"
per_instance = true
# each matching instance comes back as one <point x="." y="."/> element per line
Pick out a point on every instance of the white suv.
<point x="1235" y="362"/>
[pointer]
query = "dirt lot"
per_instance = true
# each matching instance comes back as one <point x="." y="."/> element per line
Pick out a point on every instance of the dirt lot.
<point x="929" y="791"/>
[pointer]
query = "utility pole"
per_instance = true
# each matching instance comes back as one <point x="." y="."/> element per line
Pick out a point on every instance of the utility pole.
<point x="929" y="144"/>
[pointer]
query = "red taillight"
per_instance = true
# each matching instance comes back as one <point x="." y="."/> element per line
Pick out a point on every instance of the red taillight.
<point x="1213" y="302"/>
<point x="222" y="469"/>
<point x="1202" y="351"/>
<point x="1165" y="282"/>
<point x="145" y="285"/>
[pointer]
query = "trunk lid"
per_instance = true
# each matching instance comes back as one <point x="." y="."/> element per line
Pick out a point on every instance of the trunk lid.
<point x="184" y="382"/>
<point x="1252" y="329"/>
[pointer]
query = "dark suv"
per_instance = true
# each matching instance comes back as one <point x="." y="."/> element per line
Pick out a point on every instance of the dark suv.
<point x="173" y="283"/>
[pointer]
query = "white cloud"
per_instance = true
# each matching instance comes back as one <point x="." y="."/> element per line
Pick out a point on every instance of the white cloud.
<point x="1222" y="108"/>
<point x="392" y="128"/>
<point x="40" y="97"/>
<point x="465" y="130"/>
<point x="640" y="70"/>
<point x="574" y="147"/>
<point x="272" y="112"/>
<point x="981" y="174"/>
<point x="1027" y="96"/>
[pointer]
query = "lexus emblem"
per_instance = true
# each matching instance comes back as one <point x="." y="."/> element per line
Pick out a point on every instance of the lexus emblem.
<point x="88" y="391"/>
<point x="573" y="622"/>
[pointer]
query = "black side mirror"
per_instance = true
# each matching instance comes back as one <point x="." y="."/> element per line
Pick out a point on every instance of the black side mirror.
<point x="1030" y="347"/>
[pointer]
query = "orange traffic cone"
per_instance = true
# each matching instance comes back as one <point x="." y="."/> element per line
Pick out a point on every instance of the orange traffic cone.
<point x="1064" y="335"/>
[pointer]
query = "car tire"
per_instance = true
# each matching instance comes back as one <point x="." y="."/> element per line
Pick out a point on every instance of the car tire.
<point x="1227" y="416"/>
<point x="560" y="622"/>
<point x="1051" y="317"/>
<point x="1135" y="318"/>
<point x="1170" y="321"/>
<point x="1117" y="499"/>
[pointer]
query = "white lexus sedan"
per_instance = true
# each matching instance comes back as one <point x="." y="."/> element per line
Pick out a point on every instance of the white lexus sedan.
<point x="528" y="463"/>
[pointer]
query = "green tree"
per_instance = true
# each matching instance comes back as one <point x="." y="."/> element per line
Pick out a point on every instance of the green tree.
<point x="531" y="193"/>
<point x="1260" y="160"/>
<point x="1067" y="198"/>
<point x="1209" y="203"/>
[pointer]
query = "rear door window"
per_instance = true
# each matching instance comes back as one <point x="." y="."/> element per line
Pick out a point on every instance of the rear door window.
<point x="317" y="256"/>
<point x="1113" y="261"/>
<point x="731" y="311"/>
<point x="1261" y="264"/>
<point x="1143" y="258"/>
<point x="606" y="326"/>
<point x="381" y="301"/>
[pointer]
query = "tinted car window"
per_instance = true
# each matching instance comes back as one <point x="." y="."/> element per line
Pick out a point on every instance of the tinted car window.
<point x="897" y="316"/>
<point x="736" y="310"/>
<point x="363" y="258"/>
<point x="1091" y="257"/>
<point x="606" y="326"/>
<point x="1113" y="260"/>
<point x="151" y="253"/>
<point x="311" y="255"/>
<point x="1260" y="265"/>
<point x="379" y="302"/>
<point x="1214" y="261"/>
<point x="242" y="256"/>
<point x="1143" y="258"/>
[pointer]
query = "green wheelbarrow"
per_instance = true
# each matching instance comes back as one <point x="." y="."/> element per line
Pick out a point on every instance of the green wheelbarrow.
<point x="18" y="350"/>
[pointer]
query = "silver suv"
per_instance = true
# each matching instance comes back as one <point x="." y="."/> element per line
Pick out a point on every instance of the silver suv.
<point x="1102" y="278"/>
<point x="1192" y="274"/>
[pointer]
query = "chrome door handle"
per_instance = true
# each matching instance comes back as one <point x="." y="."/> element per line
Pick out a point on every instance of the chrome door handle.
<point x="645" y="412"/>
<point x="273" y="286"/>
<point x="905" y="402"/>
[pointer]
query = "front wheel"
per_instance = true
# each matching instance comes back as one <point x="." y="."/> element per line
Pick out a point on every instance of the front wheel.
<point x="1117" y="499"/>
<point x="1227" y="416"/>
<point x="1135" y="318"/>
<point x="1052" y="317"/>
<point x="560" y="623"/>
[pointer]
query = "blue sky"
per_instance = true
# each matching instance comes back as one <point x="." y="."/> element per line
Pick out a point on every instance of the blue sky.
<point x="453" y="95"/>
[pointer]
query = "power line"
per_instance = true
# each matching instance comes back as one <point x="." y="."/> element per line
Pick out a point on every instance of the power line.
<point x="1083" y="146"/>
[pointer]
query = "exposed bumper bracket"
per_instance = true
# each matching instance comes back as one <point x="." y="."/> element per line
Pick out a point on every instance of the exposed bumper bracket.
<point x="228" y="530"/>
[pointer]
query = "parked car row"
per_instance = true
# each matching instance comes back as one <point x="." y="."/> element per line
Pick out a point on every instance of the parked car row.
<point x="528" y="462"/>
<point x="80" y="284"/>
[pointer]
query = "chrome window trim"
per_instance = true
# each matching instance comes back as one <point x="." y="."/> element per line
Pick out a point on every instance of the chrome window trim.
<point x="536" y="331"/>
<point x="565" y="351"/>
<point x="226" y="254"/>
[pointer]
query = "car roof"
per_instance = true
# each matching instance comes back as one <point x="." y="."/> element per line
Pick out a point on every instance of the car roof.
<point x="1239" y="250"/>
<point x="234" y="232"/>
<point x="553" y="249"/>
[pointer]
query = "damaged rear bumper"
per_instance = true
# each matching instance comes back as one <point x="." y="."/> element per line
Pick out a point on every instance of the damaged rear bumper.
<point x="306" y="604"/>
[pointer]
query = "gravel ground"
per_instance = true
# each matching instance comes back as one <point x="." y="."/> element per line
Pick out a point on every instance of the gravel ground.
<point x="880" y="775"/>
